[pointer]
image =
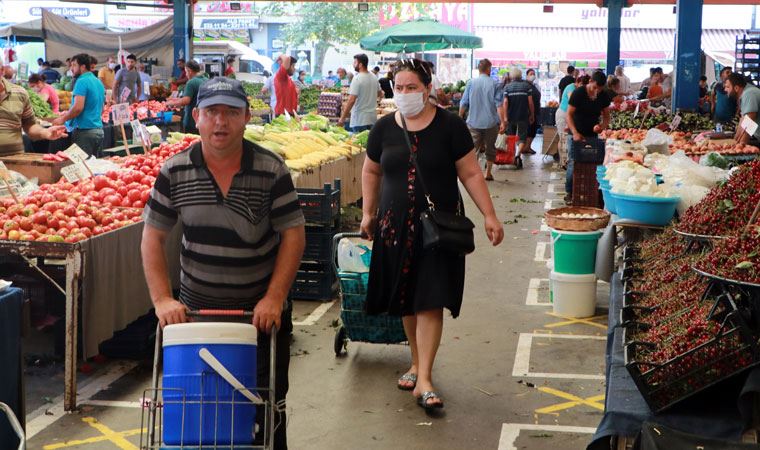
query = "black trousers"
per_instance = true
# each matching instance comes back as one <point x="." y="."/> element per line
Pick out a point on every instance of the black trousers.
<point x="282" y="364"/>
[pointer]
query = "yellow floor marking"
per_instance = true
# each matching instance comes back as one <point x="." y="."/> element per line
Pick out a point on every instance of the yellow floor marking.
<point x="572" y="403"/>
<point x="571" y="321"/>
<point x="116" y="438"/>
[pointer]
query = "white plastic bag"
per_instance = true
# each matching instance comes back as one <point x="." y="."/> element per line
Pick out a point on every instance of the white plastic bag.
<point x="501" y="141"/>
<point x="657" y="141"/>
<point x="353" y="256"/>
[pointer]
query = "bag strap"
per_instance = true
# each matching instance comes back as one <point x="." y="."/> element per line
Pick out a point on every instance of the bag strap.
<point x="425" y="190"/>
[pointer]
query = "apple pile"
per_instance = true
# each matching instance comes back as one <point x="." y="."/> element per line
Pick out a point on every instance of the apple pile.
<point x="66" y="212"/>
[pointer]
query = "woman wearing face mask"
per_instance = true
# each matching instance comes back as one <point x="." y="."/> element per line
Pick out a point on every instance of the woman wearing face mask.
<point x="45" y="91"/>
<point x="404" y="278"/>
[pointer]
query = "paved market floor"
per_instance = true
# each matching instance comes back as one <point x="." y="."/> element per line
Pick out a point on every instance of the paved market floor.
<point x="513" y="375"/>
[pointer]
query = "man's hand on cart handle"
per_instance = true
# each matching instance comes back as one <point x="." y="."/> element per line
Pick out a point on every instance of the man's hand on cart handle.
<point x="268" y="312"/>
<point x="169" y="312"/>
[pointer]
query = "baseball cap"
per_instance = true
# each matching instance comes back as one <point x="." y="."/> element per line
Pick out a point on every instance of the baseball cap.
<point x="222" y="91"/>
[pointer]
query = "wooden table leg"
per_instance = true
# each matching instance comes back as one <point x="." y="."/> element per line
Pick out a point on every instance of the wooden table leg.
<point x="73" y="272"/>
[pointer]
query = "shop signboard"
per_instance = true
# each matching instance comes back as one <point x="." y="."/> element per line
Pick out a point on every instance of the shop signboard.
<point x="458" y="15"/>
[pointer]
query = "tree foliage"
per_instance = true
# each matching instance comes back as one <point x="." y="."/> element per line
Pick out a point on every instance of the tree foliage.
<point x="330" y="24"/>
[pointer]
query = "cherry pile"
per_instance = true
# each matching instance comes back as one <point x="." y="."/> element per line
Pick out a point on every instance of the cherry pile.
<point x="737" y="258"/>
<point x="665" y="243"/>
<point x="727" y="208"/>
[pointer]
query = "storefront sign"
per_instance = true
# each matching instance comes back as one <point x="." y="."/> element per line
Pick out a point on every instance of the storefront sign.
<point x="61" y="11"/>
<point x="223" y="7"/>
<point x="229" y="24"/>
<point x="458" y="15"/>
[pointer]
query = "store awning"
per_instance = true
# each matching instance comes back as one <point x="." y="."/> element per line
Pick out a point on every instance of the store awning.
<point x="588" y="44"/>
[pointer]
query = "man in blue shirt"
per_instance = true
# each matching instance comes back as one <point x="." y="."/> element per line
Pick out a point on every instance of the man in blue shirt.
<point x="518" y="111"/>
<point x="84" y="116"/>
<point x="483" y="98"/>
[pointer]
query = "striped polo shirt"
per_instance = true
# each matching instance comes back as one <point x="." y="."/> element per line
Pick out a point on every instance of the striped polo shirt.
<point x="229" y="244"/>
<point x="15" y="113"/>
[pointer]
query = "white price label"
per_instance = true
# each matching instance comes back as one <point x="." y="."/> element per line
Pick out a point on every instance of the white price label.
<point x="676" y="121"/>
<point x="125" y="95"/>
<point x="136" y="130"/>
<point x="636" y="111"/>
<point x="749" y="125"/>
<point x="75" y="153"/>
<point x="120" y="113"/>
<point x="145" y="134"/>
<point x="4" y="172"/>
<point x="146" y="88"/>
<point x="73" y="173"/>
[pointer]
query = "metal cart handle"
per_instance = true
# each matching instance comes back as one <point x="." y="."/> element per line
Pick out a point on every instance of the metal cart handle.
<point x="334" y="249"/>
<point x="219" y="313"/>
<point x="14" y="424"/>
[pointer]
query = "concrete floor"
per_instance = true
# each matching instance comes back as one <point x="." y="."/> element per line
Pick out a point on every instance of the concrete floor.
<point x="512" y="375"/>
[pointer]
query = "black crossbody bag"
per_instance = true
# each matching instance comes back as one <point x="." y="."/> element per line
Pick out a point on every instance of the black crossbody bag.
<point x="450" y="232"/>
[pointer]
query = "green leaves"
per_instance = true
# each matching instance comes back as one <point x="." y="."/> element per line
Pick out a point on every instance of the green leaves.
<point x="745" y="265"/>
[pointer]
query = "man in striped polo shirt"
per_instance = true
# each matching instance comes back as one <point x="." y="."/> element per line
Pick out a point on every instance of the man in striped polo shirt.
<point x="243" y="230"/>
<point x="16" y="114"/>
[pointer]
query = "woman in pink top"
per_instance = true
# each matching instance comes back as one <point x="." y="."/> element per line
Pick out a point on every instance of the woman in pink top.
<point x="44" y="90"/>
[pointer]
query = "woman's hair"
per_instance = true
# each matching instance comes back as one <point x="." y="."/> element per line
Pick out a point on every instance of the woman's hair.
<point x="585" y="79"/>
<point x="416" y="66"/>
<point x="36" y="78"/>
<point x="614" y="82"/>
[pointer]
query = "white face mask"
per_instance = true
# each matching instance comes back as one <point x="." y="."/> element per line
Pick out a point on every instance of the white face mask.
<point x="411" y="104"/>
<point x="531" y="78"/>
<point x="111" y="65"/>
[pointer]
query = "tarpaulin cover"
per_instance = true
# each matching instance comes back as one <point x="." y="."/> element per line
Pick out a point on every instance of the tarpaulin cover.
<point x="63" y="39"/>
<point x="419" y="36"/>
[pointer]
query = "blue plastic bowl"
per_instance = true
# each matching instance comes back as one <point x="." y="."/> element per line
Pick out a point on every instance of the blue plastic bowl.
<point x="609" y="200"/>
<point x="655" y="211"/>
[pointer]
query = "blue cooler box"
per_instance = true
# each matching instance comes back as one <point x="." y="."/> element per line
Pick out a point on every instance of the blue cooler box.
<point x="188" y="379"/>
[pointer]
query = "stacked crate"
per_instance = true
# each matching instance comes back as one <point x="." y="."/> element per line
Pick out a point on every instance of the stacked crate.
<point x="748" y="57"/>
<point x="315" y="279"/>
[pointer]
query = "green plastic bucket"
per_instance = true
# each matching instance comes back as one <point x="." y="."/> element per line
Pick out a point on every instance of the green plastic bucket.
<point x="574" y="252"/>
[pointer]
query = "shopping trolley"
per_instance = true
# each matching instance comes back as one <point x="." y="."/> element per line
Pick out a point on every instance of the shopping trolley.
<point x="154" y="404"/>
<point x="356" y="325"/>
<point x="15" y="424"/>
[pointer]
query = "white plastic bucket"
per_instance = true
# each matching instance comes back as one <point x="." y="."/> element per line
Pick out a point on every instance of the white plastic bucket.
<point x="573" y="295"/>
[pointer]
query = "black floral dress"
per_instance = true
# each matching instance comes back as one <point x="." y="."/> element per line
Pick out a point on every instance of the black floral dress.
<point x="404" y="278"/>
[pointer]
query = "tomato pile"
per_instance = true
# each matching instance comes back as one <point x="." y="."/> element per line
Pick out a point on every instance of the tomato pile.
<point x="728" y="207"/>
<point x="141" y="110"/>
<point x="737" y="258"/>
<point x="66" y="212"/>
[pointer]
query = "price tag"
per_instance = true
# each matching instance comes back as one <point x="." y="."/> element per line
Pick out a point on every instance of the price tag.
<point x="136" y="130"/>
<point x="74" y="173"/>
<point x="146" y="88"/>
<point x="125" y="94"/>
<point x="749" y="125"/>
<point x="120" y="114"/>
<point x="4" y="172"/>
<point x="676" y="121"/>
<point x="23" y="71"/>
<point x="75" y="153"/>
<point x="145" y="135"/>
<point x="636" y="111"/>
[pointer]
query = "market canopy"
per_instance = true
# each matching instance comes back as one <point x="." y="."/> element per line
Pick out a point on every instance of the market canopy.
<point x="419" y="36"/>
<point x="32" y="31"/>
<point x="64" y="38"/>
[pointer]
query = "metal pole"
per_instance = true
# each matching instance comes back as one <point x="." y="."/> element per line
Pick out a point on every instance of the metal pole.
<point x="73" y="269"/>
<point x="688" y="55"/>
<point x="615" y="12"/>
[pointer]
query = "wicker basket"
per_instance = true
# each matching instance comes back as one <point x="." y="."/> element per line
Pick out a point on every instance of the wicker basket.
<point x="555" y="220"/>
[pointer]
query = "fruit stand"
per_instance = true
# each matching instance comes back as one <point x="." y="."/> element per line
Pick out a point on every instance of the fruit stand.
<point x="684" y="321"/>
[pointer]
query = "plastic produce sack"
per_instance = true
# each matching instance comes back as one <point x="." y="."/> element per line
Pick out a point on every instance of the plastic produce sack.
<point x="353" y="256"/>
<point x="501" y="141"/>
<point x="657" y="141"/>
<point x="690" y="196"/>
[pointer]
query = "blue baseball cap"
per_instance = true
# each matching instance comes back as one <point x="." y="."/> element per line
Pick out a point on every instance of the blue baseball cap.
<point x="222" y="91"/>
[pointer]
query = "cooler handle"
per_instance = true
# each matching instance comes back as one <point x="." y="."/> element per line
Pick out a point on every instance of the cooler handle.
<point x="220" y="312"/>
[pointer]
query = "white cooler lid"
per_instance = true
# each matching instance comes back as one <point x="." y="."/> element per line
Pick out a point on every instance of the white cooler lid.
<point x="210" y="333"/>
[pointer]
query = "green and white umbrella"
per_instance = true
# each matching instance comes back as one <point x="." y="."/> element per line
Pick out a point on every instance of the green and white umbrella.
<point x="419" y="36"/>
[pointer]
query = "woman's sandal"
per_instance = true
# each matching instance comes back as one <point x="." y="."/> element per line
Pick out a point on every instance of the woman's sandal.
<point x="407" y="377"/>
<point x="422" y="401"/>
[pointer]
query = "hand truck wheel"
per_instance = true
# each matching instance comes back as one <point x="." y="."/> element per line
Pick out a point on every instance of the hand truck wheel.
<point x="341" y="340"/>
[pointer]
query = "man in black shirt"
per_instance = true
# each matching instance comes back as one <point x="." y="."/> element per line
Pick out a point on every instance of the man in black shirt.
<point x="567" y="79"/>
<point x="587" y="105"/>
<point x="386" y="84"/>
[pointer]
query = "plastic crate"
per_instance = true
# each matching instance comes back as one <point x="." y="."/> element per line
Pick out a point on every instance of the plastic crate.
<point x="730" y="352"/>
<point x="585" y="185"/>
<point x="314" y="281"/>
<point x="318" y="244"/>
<point x="361" y="327"/>
<point x="136" y="341"/>
<point x="321" y="206"/>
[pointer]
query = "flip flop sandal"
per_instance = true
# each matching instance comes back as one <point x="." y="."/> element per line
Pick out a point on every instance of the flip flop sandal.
<point x="423" y="401"/>
<point x="407" y="377"/>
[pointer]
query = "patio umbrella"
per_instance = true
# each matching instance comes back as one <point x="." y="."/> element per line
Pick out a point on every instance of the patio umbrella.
<point x="419" y="36"/>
